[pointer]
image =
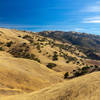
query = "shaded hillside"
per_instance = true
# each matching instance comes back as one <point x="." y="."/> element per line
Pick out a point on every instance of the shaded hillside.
<point x="85" y="42"/>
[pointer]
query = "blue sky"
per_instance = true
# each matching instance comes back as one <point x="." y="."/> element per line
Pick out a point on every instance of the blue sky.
<point x="39" y="15"/>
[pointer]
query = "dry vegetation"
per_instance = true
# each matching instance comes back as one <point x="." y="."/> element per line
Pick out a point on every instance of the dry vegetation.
<point x="30" y="62"/>
<point x="82" y="88"/>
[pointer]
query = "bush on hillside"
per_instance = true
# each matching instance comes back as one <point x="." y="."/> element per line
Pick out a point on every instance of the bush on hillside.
<point x="66" y="75"/>
<point x="51" y="65"/>
<point x="82" y="71"/>
<point x="67" y="61"/>
<point x="29" y="38"/>
<point x="1" y="49"/>
<point x="23" y="52"/>
<point x="55" y="56"/>
<point x="9" y="44"/>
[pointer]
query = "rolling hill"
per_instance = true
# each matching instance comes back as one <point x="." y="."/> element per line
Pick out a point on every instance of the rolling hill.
<point x="87" y="43"/>
<point x="83" y="88"/>
<point x="33" y="65"/>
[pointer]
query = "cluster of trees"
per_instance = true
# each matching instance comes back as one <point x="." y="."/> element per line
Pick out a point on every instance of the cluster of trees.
<point x="82" y="71"/>
<point x="23" y="51"/>
<point x="29" y="38"/>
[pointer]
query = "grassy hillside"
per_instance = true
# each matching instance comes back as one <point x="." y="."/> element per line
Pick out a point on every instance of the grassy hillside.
<point x="82" y="88"/>
<point x="29" y="45"/>
<point x="37" y="65"/>
<point x="20" y="69"/>
<point x="25" y="75"/>
<point x="87" y="43"/>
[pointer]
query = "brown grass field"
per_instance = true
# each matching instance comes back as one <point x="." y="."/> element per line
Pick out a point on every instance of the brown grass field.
<point x="82" y="88"/>
<point x="27" y="79"/>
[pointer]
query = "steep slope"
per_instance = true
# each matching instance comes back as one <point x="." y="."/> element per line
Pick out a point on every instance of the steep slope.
<point x="82" y="88"/>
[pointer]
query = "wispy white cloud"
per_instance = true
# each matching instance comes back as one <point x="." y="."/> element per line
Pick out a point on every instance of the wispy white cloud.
<point x="95" y="19"/>
<point x="92" y="8"/>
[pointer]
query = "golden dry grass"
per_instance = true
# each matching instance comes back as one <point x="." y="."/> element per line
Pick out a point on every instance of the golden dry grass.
<point x="62" y="66"/>
<point x="25" y="75"/>
<point x="22" y="76"/>
<point x="83" y="88"/>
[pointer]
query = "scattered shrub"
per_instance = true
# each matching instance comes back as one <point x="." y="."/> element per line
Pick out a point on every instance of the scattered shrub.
<point x="77" y="73"/>
<point x="38" y="47"/>
<point x="29" y="38"/>
<point x="49" y="55"/>
<point x="9" y="44"/>
<point x="40" y="51"/>
<point x="66" y="75"/>
<point x="1" y="49"/>
<point x="55" y="56"/>
<point x="85" y="68"/>
<point x="19" y="36"/>
<point x="51" y="65"/>
<point x="67" y="61"/>
<point x="23" y="52"/>
<point x="96" y="66"/>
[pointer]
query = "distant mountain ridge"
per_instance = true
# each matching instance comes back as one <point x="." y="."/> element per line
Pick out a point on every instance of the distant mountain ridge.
<point x="88" y="43"/>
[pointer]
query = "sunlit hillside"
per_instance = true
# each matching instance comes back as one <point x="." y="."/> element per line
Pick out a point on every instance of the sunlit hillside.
<point x="38" y="67"/>
<point x="83" y="88"/>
